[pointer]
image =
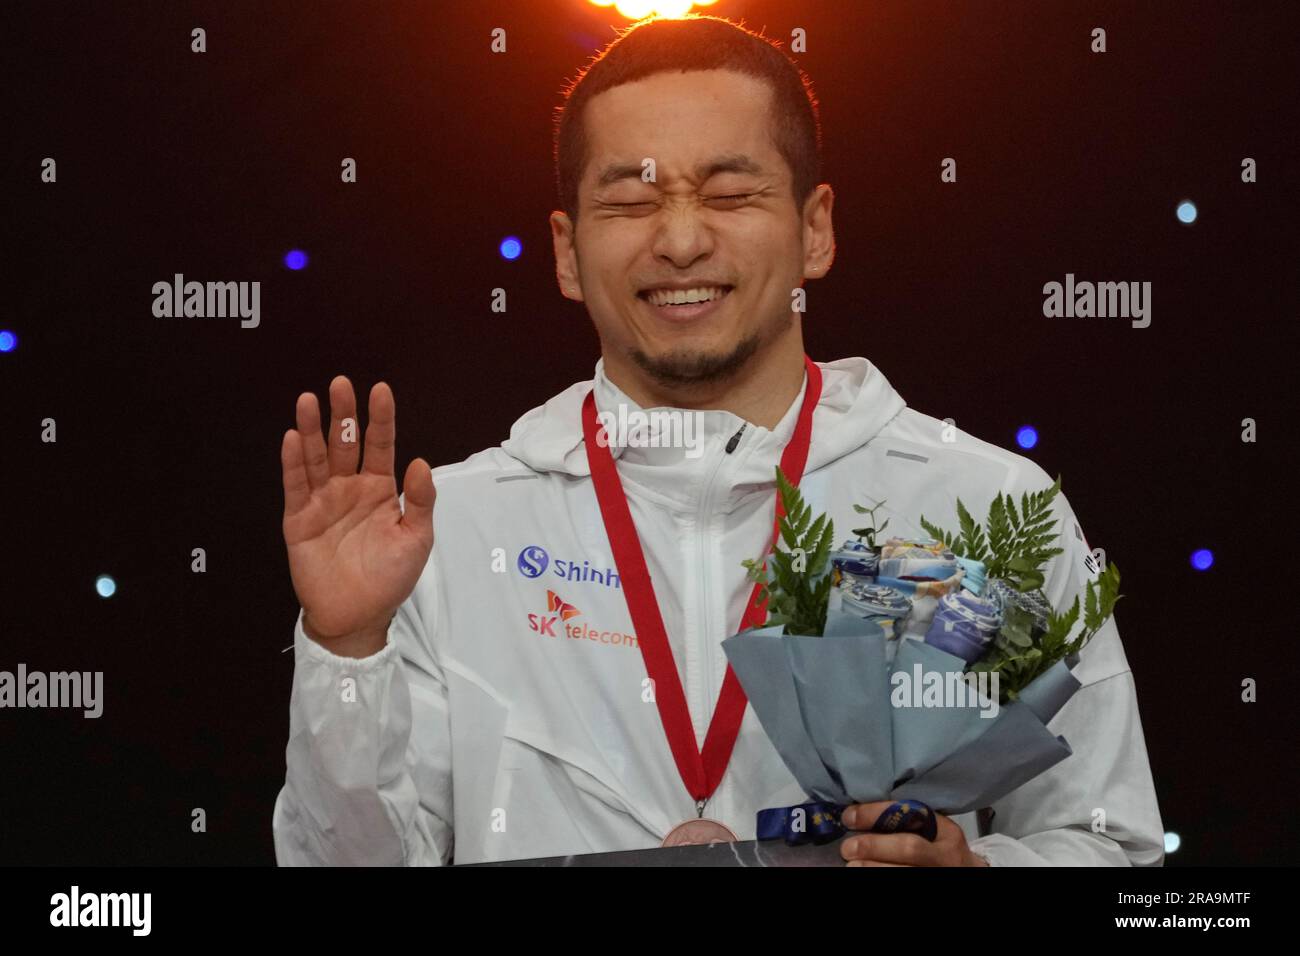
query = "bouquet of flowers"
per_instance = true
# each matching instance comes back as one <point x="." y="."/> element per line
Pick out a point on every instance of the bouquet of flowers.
<point x="915" y="670"/>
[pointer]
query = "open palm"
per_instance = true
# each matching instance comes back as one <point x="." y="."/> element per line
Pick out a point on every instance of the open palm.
<point x="354" y="556"/>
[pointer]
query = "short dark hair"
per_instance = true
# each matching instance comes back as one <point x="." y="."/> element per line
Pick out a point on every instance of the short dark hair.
<point x="693" y="43"/>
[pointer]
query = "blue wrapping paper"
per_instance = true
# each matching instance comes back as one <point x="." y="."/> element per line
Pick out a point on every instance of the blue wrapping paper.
<point x="825" y="704"/>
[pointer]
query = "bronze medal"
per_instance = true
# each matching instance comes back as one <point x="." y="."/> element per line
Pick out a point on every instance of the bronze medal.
<point x="700" y="831"/>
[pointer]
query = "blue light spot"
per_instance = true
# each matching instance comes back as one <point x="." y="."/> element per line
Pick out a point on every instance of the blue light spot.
<point x="1027" y="436"/>
<point x="106" y="586"/>
<point x="1202" y="559"/>
<point x="1172" y="842"/>
<point x="295" y="259"/>
<point x="1187" y="212"/>
<point x="7" y="341"/>
<point x="511" y="247"/>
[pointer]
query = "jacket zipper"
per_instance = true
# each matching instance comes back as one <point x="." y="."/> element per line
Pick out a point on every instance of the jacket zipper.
<point x="702" y="538"/>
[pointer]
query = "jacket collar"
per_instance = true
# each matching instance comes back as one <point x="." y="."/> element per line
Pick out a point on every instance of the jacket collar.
<point x="856" y="403"/>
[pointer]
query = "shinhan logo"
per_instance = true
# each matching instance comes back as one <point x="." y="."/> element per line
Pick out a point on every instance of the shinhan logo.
<point x="559" y="611"/>
<point x="533" y="562"/>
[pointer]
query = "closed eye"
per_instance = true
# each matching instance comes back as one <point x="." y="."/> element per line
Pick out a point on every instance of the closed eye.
<point x="738" y="197"/>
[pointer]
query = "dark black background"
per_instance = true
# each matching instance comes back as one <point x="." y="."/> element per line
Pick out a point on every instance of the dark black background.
<point x="214" y="165"/>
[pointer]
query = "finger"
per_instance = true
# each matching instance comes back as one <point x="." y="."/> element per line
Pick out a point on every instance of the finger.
<point x="908" y="848"/>
<point x="872" y="863"/>
<point x="297" y="490"/>
<point x="313" y="442"/>
<point x="381" y="432"/>
<point x="863" y="816"/>
<point x="343" y="454"/>
<point x="417" y="512"/>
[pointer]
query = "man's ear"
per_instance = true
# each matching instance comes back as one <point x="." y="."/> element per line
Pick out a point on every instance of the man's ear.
<point x="566" y="256"/>
<point x="818" y="232"/>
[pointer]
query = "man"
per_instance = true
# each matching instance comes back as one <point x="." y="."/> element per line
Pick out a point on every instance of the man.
<point x="479" y="690"/>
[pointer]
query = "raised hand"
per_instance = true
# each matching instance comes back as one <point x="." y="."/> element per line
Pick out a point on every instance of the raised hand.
<point x="354" y="556"/>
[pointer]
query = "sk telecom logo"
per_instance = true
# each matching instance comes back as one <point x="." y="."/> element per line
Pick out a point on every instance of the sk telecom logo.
<point x="558" y="613"/>
<point x="558" y="610"/>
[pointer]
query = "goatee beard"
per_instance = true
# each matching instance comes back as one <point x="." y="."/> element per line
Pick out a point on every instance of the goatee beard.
<point x="684" y="368"/>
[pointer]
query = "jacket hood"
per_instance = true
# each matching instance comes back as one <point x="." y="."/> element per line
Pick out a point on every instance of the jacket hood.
<point x="857" y="401"/>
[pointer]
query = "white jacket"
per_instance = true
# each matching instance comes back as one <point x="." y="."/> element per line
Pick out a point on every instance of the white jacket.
<point x="492" y="728"/>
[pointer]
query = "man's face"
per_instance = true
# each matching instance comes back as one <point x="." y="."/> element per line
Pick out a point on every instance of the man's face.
<point x="718" y="222"/>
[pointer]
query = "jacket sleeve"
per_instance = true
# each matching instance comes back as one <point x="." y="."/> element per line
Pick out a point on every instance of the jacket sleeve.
<point x="368" y="777"/>
<point x="1098" y="806"/>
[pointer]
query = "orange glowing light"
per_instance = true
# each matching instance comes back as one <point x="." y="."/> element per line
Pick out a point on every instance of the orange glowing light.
<point x="678" y="8"/>
<point x="639" y="9"/>
<point x="635" y="9"/>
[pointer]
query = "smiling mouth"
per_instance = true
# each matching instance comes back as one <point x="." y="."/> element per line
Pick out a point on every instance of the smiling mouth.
<point x="682" y="298"/>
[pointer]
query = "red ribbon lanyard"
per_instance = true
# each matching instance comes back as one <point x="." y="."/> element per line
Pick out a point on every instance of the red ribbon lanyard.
<point x="700" y="772"/>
